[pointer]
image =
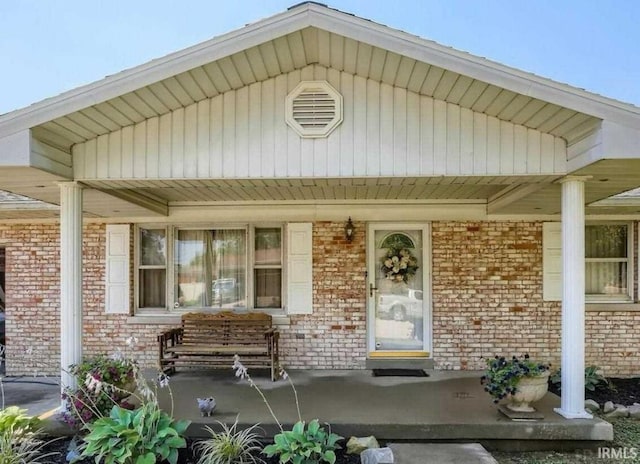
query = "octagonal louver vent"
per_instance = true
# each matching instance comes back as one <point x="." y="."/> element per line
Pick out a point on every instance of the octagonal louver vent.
<point x="314" y="109"/>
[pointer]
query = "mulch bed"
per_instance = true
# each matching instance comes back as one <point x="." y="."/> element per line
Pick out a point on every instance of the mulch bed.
<point x="186" y="457"/>
<point x="622" y="391"/>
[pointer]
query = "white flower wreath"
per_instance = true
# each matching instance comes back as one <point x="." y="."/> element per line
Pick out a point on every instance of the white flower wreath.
<point x="399" y="265"/>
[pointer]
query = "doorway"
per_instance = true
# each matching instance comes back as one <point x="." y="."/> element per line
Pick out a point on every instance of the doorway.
<point x="399" y="293"/>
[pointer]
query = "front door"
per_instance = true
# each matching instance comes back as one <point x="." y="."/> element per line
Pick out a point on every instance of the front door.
<point x="399" y="318"/>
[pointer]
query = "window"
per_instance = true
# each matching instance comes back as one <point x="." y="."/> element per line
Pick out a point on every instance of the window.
<point x="210" y="268"/>
<point x="609" y="262"/>
<point x="234" y="267"/>
<point x="268" y="268"/>
<point x="608" y="265"/>
<point x="152" y="269"/>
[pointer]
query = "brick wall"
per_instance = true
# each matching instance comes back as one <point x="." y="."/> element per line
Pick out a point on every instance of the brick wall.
<point x="32" y="289"/>
<point x="334" y="336"/>
<point x="487" y="299"/>
<point x="33" y="301"/>
<point x="487" y="294"/>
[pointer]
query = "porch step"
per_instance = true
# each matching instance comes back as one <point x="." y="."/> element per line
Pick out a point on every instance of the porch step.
<point x="399" y="363"/>
<point x="440" y="453"/>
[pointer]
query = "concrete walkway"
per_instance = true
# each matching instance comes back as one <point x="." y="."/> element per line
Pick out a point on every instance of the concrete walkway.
<point x="440" y="453"/>
<point x="38" y="395"/>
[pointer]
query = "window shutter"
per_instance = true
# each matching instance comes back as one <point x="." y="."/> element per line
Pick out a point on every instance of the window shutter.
<point x="117" y="271"/>
<point x="299" y="268"/>
<point x="552" y="261"/>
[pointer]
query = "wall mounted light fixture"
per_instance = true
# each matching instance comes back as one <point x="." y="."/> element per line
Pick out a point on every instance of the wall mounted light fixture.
<point x="349" y="230"/>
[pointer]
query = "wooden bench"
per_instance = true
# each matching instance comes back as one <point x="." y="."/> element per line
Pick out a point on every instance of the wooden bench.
<point x="212" y="340"/>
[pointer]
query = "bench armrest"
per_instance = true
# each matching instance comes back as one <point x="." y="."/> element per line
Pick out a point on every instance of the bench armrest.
<point x="167" y="339"/>
<point x="271" y="334"/>
<point x="171" y="335"/>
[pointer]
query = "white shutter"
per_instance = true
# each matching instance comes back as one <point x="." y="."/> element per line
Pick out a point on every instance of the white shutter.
<point x="299" y="268"/>
<point x="117" y="271"/>
<point x="552" y="261"/>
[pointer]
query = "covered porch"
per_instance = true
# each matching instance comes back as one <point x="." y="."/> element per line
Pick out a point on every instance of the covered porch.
<point x="426" y="134"/>
<point x="446" y="406"/>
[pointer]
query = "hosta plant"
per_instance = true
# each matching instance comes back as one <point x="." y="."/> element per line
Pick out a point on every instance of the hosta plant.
<point x="141" y="436"/>
<point x="303" y="444"/>
<point x="593" y="379"/>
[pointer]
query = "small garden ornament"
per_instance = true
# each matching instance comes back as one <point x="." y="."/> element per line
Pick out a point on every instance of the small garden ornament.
<point x="206" y="406"/>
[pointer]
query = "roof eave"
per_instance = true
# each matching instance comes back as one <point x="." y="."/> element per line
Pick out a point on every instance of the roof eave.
<point x="306" y="15"/>
<point x="154" y="70"/>
<point x="476" y="67"/>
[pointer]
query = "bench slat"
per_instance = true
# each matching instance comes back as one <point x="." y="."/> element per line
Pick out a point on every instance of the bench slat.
<point x="211" y="340"/>
<point x="205" y="349"/>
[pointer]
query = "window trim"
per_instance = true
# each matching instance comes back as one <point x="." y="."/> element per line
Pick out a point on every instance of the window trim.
<point x="137" y="249"/>
<point x="171" y="233"/>
<point x="593" y="298"/>
<point x="281" y="266"/>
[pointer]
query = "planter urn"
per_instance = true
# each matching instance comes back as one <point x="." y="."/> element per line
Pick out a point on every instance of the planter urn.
<point x="528" y="390"/>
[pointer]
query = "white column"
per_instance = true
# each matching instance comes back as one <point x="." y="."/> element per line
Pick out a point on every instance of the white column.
<point x="573" y="290"/>
<point x="70" y="279"/>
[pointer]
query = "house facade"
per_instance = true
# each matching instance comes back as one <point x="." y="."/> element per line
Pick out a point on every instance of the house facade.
<point x="388" y="200"/>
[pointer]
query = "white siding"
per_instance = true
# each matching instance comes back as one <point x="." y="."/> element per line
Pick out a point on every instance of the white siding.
<point x="387" y="130"/>
<point x="50" y="159"/>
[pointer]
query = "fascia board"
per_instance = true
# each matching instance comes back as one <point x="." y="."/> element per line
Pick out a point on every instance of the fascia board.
<point x="619" y="141"/>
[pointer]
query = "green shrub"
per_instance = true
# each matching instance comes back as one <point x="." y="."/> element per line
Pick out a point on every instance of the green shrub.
<point x="593" y="379"/>
<point x="310" y="445"/>
<point x="13" y="418"/>
<point x="141" y="436"/>
<point x="230" y="446"/>
<point x="19" y="442"/>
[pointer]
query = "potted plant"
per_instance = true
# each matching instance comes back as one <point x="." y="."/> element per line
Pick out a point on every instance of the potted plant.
<point x="118" y="371"/>
<point x="520" y="380"/>
<point x="116" y="376"/>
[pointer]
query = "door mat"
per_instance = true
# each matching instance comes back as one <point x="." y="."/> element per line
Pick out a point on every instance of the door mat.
<point x="399" y="373"/>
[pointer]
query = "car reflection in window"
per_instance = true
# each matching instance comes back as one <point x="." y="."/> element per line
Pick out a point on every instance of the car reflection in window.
<point x="224" y="291"/>
<point x="401" y="307"/>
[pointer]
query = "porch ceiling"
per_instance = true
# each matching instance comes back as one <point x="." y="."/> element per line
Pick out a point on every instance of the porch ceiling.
<point x="178" y="192"/>
<point x="606" y="178"/>
<point x="294" y="51"/>
<point x="42" y="186"/>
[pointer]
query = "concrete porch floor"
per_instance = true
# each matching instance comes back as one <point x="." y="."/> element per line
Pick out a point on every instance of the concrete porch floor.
<point x="446" y="406"/>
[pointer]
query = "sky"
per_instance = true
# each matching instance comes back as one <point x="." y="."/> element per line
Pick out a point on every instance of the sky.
<point x="50" y="46"/>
